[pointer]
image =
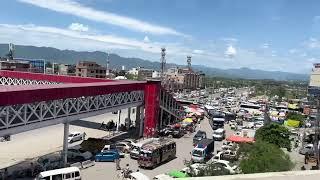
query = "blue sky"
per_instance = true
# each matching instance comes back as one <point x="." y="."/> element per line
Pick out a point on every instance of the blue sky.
<point x="270" y="35"/>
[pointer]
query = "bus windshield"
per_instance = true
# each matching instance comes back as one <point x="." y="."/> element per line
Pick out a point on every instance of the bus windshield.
<point x="247" y="106"/>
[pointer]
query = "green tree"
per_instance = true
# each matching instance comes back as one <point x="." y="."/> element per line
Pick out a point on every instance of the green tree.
<point x="131" y="76"/>
<point x="264" y="157"/>
<point x="210" y="169"/>
<point x="275" y="134"/>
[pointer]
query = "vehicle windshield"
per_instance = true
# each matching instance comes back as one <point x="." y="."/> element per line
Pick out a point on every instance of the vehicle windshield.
<point x="197" y="153"/>
<point x="145" y="154"/>
<point x="71" y="135"/>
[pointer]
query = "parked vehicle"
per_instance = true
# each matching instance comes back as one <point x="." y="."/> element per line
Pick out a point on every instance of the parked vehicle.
<point x="194" y="168"/>
<point x="113" y="147"/>
<point x="107" y="156"/>
<point x="226" y="165"/>
<point x="219" y="134"/>
<point x="76" y="136"/>
<point x="79" y="154"/>
<point x="135" y="150"/>
<point x="70" y="173"/>
<point x="202" y="151"/>
<point x="156" y="152"/>
<point x="124" y="147"/>
<point x="199" y="136"/>
<point x="308" y="148"/>
<point x="218" y="120"/>
<point x="137" y="176"/>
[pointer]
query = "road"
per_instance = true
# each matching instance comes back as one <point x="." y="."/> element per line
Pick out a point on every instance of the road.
<point x="46" y="140"/>
<point x="103" y="170"/>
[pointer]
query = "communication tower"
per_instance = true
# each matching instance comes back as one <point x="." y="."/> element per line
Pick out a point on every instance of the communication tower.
<point x="163" y="62"/>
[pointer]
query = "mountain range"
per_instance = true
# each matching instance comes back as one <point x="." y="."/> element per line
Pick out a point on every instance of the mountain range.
<point x="116" y="61"/>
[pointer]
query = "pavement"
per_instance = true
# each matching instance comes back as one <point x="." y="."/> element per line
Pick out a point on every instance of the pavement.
<point x="39" y="142"/>
<point x="103" y="170"/>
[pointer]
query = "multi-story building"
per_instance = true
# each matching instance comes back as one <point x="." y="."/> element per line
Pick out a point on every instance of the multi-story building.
<point x="183" y="78"/>
<point x="67" y="69"/>
<point x="90" y="69"/>
<point x="145" y="74"/>
<point x="14" y="65"/>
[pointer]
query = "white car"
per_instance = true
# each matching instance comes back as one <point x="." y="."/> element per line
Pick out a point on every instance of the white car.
<point x="195" y="168"/>
<point x="76" y="136"/>
<point x="258" y="124"/>
<point x="226" y="165"/>
<point x="123" y="146"/>
<point x="79" y="154"/>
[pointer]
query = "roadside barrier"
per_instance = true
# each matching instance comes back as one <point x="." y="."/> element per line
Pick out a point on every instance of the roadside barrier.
<point x="78" y="165"/>
<point x="86" y="164"/>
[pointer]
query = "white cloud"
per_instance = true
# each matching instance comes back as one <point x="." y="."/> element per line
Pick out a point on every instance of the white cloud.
<point x="78" y="27"/>
<point x="229" y="40"/>
<point x="316" y="19"/>
<point x="146" y="39"/>
<point x="77" y="9"/>
<point x="198" y="51"/>
<point x="265" y="45"/>
<point x="312" y="43"/>
<point x="293" y="51"/>
<point x="230" y="52"/>
<point x="312" y="60"/>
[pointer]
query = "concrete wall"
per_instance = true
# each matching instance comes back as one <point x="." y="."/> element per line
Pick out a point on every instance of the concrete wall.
<point x="289" y="175"/>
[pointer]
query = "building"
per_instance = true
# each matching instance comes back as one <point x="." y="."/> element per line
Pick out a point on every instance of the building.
<point x="90" y="69"/>
<point x="183" y="78"/>
<point x="134" y="71"/>
<point x="156" y="75"/>
<point x="36" y="65"/>
<point x="15" y="65"/>
<point x="67" y="69"/>
<point x="145" y="74"/>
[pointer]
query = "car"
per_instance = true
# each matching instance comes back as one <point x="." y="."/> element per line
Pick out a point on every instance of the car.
<point x="111" y="155"/>
<point x="129" y="141"/>
<point x="76" y="136"/>
<point x="258" y="124"/>
<point x="226" y="164"/>
<point x="219" y="134"/>
<point x="79" y="154"/>
<point x="114" y="147"/>
<point x="194" y="168"/>
<point x="123" y="147"/>
<point x="308" y="148"/>
<point x="199" y="136"/>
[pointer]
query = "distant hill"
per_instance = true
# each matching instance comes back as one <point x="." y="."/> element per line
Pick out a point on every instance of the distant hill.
<point x="71" y="57"/>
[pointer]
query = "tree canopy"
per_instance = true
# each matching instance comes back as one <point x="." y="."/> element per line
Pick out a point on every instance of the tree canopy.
<point x="275" y="134"/>
<point x="263" y="157"/>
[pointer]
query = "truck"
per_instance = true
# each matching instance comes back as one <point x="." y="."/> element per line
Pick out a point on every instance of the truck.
<point x="202" y="151"/>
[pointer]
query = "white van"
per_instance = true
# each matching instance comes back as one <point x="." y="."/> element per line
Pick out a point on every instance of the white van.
<point x="70" y="173"/>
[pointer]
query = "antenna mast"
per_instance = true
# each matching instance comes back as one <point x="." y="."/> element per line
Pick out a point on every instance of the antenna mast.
<point x="163" y="62"/>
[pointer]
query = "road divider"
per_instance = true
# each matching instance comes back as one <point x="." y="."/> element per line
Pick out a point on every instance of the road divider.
<point x="86" y="164"/>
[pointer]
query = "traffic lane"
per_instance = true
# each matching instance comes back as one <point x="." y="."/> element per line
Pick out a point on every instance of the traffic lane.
<point x="108" y="169"/>
<point x="184" y="146"/>
<point x="47" y="140"/>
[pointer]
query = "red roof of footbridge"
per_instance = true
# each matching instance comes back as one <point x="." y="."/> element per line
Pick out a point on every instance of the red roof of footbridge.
<point x="72" y="87"/>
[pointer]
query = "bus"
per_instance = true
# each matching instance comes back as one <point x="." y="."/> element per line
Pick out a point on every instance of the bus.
<point x="154" y="153"/>
<point x="251" y="108"/>
<point x="135" y="147"/>
<point x="70" y="173"/>
<point x="218" y="120"/>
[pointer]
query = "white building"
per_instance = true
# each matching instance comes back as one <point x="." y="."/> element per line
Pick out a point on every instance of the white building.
<point x="134" y="71"/>
<point x="156" y="74"/>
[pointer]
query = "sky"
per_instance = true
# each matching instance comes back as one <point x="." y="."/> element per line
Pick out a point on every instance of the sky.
<point x="274" y="35"/>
